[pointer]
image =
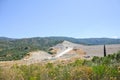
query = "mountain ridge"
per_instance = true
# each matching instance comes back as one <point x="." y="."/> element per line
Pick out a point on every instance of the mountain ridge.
<point x="87" y="41"/>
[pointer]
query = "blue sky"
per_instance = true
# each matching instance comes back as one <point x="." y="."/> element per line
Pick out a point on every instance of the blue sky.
<point x="71" y="18"/>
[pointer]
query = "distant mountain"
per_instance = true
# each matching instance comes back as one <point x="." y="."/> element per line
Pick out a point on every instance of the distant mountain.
<point x="37" y="40"/>
<point x="12" y="49"/>
<point x="5" y="39"/>
<point x="99" y="41"/>
<point x="89" y="41"/>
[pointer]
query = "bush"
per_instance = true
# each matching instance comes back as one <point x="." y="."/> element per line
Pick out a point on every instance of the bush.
<point x="76" y="70"/>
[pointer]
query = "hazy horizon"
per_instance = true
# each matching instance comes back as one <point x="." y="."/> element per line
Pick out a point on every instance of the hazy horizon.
<point x="69" y="18"/>
<point x="57" y="36"/>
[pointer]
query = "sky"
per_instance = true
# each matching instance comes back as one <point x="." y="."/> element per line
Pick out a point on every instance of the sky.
<point x="71" y="18"/>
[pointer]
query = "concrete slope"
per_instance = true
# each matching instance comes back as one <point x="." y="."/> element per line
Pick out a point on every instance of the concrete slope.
<point x="64" y="52"/>
<point x="90" y="50"/>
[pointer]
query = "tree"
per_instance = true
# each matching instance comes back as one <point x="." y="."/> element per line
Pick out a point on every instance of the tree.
<point x="104" y="51"/>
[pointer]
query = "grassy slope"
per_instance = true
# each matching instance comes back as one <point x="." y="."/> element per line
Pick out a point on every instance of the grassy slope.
<point x="106" y="68"/>
<point x="17" y="49"/>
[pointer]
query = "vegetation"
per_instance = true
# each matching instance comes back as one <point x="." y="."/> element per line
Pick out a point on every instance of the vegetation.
<point x="99" y="68"/>
<point x="90" y="41"/>
<point x="104" y="51"/>
<point x="14" y="49"/>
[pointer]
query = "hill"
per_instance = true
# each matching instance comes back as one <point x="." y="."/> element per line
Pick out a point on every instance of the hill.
<point x="14" y="49"/>
<point x="89" y="41"/>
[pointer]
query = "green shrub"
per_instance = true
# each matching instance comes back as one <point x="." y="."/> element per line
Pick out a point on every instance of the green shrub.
<point x="76" y="70"/>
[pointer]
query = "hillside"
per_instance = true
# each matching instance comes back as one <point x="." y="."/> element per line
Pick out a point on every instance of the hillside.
<point x="104" y="68"/>
<point x="14" y="49"/>
<point x="89" y="41"/>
